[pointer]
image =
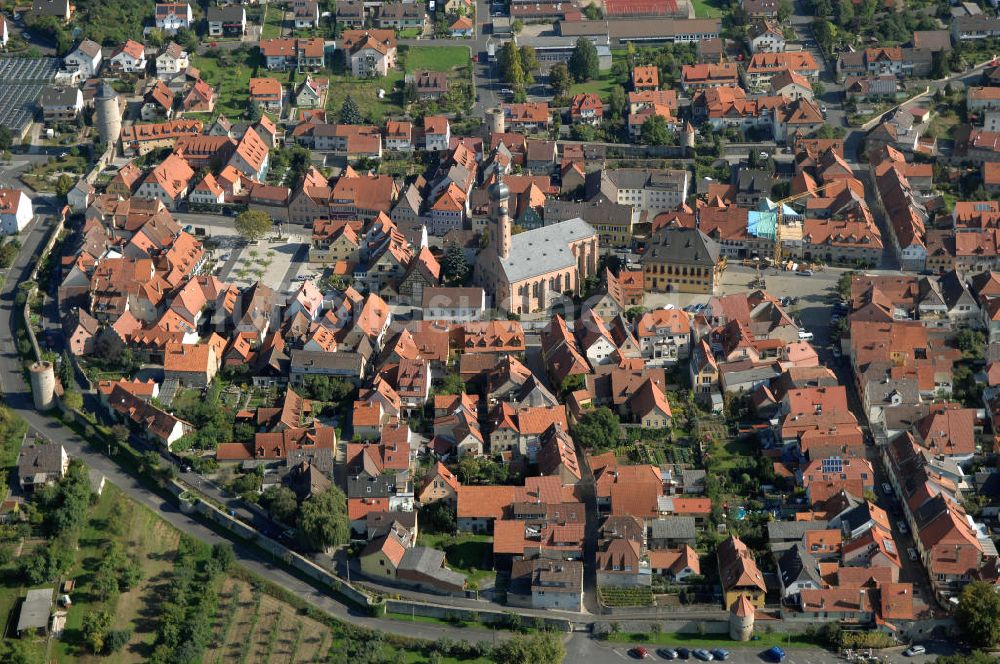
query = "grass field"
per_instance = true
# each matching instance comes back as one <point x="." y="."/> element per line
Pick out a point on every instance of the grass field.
<point x="365" y="94"/>
<point x="436" y="58"/>
<point x="600" y="86"/>
<point x="142" y="534"/>
<point x="707" y="8"/>
<point x="273" y="21"/>
<point x="255" y="627"/>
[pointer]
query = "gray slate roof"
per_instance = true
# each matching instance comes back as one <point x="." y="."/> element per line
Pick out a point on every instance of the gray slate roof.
<point x="35" y="610"/>
<point x="430" y="562"/>
<point x="672" y="527"/>
<point x="544" y="249"/>
<point x="784" y="531"/>
<point x="798" y="565"/>
<point x="683" y="245"/>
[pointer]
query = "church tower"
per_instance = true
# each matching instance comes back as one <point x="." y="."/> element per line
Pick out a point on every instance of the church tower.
<point x="500" y="216"/>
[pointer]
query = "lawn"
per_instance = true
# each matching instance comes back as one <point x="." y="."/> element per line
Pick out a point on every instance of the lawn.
<point x="465" y="553"/>
<point x="942" y="124"/>
<point x="600" y="86"/>
<point x="707" y="8"/>
<point x="230" y="80"/>
<point x="365" y="94"/>
<point x="436" y="58"/>
<point x="729" y="451"/>
<point x="761" y="641"/>
<point x="273" y="21"/>
<point x="410" y="33"/>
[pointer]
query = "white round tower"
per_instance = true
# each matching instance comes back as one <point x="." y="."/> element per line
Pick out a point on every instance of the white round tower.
<point x="43" y="384"/>
<point x="108" y="116"/>
<point x="741" y="619"/>
<point x="495" y="121"/>
<point x="687" y="136"/>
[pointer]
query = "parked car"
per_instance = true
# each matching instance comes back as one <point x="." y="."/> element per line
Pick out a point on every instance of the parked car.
<point x="683" y="653"/>
<point x="902" y="527"/>
<point x="914" y="650"/>
<point x="720" y="654"/>
<point x="667" y="653"/>
<point x="805" y="273"/>
<point x="775" y="654"/>
<point x="805" y="336"/>
<point x="639" y="652"/>
<point x="887" y="488"/>
<point x="912" y="553"/>
<point x="703" y="655"/>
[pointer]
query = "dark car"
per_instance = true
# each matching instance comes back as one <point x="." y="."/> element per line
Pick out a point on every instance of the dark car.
<point x="720" y="654"/>
<point x="684" y="653"/>
<point x="667" y="653"/>
<point x="775" y="654"/>
<point x="639" y="652"/>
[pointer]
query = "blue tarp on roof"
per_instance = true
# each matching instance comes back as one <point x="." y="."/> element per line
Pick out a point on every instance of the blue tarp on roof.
<point x="761" y="224"/>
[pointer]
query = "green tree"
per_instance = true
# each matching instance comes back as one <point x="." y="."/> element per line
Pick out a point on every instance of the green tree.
<point x="454" y="267"/>
<point x="617" y="102"/>
<point x="656" y="132"/>
<point x="824" y="33"/>
<point x="6" y="140"/>
<point x="349" y="112"/>
<point x="517" y="26"/>
<point x="534" y="649"/>
<point x="63" y="185"/>
<point x="584" y="63"/>
<point x="280" y="503"/>
<point x="511" y="67"/>
<point x="559" y="79"/>
<point x="632" y="314"/>
<point x="116" y="639"/>
<point x="975" y="657"/>
<point x="223" y="555"/>
<point x="252" y="225"/>
<point x="529" y="63"/>
<point x="939" y="66"/>
<point x="72" y="399"/>
<point x="597" y="429"/>
<point x="451" y="383"/>
<point x="845" y="13"/>
<point x="785" y="9"/>
<point x="96" y="625"/>
<point x="119" y="437"/>
<point x="323" y="520"/>
<point x="327" y="388"/>
<point x="978" y="614"/>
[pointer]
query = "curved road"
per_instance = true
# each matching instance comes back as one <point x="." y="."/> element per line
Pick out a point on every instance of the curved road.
<point x="17" y="396"/>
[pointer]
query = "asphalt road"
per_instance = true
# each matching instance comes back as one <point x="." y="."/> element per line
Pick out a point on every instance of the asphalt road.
<point x="592" y="651"/>
<point x="17" y="397"/>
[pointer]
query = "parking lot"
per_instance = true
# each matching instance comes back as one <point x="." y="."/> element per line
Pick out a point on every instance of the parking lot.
<point x="812" y="308"/>
<point x="592" y="651"/>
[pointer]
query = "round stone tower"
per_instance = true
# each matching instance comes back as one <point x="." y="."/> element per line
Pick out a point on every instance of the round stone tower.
<point x="108" y="117"/>
<point x="43" y="384"/>
<point x="741" y="618"/>
<point x="495" y="121"/>
<point x="687" y="136"/>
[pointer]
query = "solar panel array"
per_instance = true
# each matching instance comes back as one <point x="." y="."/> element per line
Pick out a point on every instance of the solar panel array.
<point x="21" y="83"/>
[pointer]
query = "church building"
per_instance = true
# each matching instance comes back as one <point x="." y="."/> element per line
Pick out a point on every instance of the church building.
<point x="529" y="272"/>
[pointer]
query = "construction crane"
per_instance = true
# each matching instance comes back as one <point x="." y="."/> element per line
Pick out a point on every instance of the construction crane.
<point x="758" y="281"/>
